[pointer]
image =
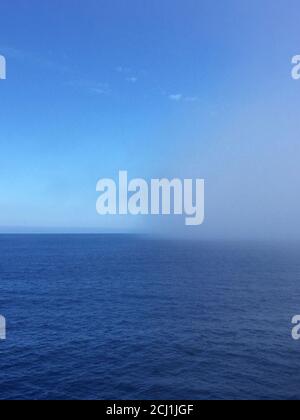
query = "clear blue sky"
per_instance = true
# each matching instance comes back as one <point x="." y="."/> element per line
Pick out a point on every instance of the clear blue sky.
<point x="194" y="88"/>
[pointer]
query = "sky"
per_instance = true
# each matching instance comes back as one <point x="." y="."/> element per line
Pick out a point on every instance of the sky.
<point x="172" y="88"/>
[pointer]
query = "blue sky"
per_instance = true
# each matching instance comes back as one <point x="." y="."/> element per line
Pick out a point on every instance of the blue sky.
<point x="166" y="88"/>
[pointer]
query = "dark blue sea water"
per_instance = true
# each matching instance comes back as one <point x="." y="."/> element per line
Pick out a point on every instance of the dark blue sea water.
<point x="123" y="317"/>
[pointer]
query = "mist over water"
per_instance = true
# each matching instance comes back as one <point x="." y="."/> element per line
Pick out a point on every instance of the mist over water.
<point x="96" y="306"/>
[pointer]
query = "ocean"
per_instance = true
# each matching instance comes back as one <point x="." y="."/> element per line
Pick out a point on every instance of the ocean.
<point x="129" y="317"/>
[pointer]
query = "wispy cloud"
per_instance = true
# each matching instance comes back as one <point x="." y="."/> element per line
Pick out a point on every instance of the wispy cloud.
<point x="90" y="87"/>
<point x="128" y="72"/>
<point x="178" y="97"/>
<point x="75" y="81"/>
<point x="122" y="69"/>
<point x="191" y="99"/>
<point x="132" y="79"/>
<point x="45" y="62"/>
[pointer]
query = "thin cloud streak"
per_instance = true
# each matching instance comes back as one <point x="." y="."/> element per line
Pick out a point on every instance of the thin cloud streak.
<point x="181" y="98"/>
<point x="176" y="97"/>
<point x="91" y="87"/>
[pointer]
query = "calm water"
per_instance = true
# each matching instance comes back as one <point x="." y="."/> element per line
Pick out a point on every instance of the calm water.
<point x="120" y="317"/>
